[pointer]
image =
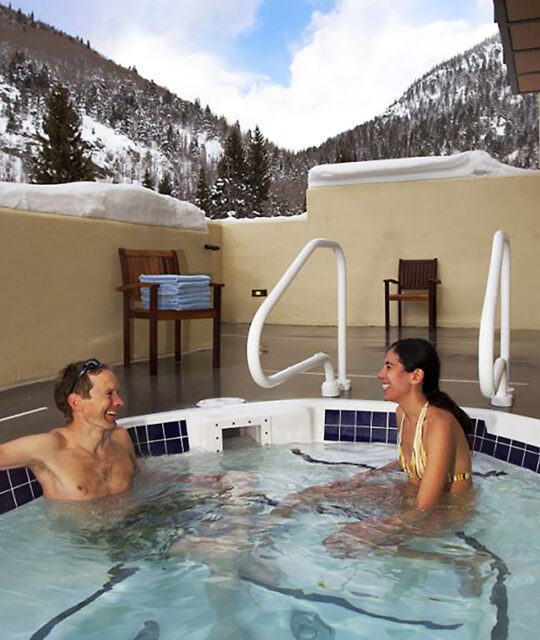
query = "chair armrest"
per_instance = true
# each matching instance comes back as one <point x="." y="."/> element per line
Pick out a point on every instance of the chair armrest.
<point x="217" y="285"/>
<point x="434" y="280"/>
<point x="391" y="280"/>
<point x="136" y="285"/>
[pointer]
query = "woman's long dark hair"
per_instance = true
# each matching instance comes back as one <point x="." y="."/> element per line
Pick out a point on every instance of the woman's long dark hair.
<point x="416" y="353"/>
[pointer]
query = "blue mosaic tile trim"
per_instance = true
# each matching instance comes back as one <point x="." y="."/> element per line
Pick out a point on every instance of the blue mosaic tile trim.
<point x="160" y="439"/>
<point x="513" y="451"/>
<point x="345" y="425"/>
<point x="341" y="425"/>
<point x="17" y="487"/>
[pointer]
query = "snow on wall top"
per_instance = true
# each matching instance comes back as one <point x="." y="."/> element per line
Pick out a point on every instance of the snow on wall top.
<point x="459" y="165"/>
<point x="121" y="202"/>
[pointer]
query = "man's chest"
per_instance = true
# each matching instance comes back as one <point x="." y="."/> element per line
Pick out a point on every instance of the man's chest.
<point x="79" y="475"/>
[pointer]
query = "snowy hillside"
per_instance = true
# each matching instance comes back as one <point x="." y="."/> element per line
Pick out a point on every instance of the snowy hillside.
<point x="138" y="132"/>
<point x="462" y="104"/>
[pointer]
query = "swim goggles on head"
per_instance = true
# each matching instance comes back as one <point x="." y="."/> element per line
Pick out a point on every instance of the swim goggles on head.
<point x="85" y="367"/>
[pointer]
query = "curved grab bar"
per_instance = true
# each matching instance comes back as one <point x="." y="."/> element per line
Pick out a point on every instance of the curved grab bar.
<point x="494" y="376"/>
<point x="331" y="386"/>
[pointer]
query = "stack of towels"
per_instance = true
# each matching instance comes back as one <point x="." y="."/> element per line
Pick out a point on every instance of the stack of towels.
<point x="179" y="293"/>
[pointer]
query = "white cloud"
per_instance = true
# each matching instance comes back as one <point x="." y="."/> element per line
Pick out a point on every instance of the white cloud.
<point x="485" y="6"/>
<point x="188" y="72"/>
<point x="180" y="25"/>
<point x="351" y="64"/>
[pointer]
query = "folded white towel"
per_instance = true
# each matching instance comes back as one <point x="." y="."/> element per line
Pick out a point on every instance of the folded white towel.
<point x="205" y="293"/>
<point x="174" y="290"/>
<point x="166" y="278"/>
<point x="194" y="299"/>
<point x="186" y="287"/>
<point x="181" y="306"/>
<point x="197" y="299"/>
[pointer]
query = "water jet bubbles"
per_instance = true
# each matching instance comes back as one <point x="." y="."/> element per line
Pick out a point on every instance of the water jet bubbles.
<point x="306" y="625"/>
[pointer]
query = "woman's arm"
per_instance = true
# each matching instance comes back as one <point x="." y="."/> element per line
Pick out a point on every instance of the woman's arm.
<point x="440" y="446"/>
<point x="439" y="443"/>
<point x="338" y="489"/>
<point x="358" y="478"/>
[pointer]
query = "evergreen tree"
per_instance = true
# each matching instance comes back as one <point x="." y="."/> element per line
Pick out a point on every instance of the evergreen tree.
<point x="148" y="181"/>
<point x="63" y="153"/>
<point x="12" y="124"/>
<point x="344" y="153"/>
<point x="165" y="185"/>
<point x="202" y="195"/>
<point x="219" y="202"/>
<point x="258" y="174"/>
<point x="232" y="170"/>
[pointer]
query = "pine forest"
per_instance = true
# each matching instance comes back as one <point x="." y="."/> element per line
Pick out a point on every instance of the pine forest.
<point x="124" y="128"/>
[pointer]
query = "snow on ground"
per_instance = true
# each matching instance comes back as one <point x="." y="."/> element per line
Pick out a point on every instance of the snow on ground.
<point x="122" y="202"/>
<point x="232" y="220"/>
<point x="108" y="146"/>
<point x="8" y="92"/>
<point x="10" y="167"/>
<point x="96" y="132"/>
<point x="212" y="146"/>
<point x="458" y="165"/>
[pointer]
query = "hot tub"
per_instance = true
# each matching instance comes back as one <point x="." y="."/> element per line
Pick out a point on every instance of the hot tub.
<point x="109" y="568"/>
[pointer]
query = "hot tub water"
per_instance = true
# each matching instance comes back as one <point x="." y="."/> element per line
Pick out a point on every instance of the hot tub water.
<point x="106" y="569"/>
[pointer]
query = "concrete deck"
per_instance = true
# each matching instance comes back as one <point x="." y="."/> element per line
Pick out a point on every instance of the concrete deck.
<point x="180" y="385"/>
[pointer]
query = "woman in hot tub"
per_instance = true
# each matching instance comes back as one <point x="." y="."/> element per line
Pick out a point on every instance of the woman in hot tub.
<point x="432" y="450"/>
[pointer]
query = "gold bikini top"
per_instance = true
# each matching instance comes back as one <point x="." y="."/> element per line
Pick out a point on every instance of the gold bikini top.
<point x="417" y="466"/>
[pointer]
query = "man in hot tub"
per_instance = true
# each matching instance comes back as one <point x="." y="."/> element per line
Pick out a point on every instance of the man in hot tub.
<point x="91" y="457"/>
<point x="88" y="458"/>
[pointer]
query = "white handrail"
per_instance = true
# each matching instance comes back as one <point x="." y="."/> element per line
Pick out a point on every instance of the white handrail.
<point x="494" y="376"/>
<point x="330" y="387"/>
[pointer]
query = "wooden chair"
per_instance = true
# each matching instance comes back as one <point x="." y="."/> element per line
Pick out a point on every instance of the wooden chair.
<point x="134" y="262"/>
<point x="417" y="282"/>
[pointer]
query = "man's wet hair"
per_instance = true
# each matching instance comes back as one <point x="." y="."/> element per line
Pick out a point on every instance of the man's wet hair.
<point x="75" y="378"/>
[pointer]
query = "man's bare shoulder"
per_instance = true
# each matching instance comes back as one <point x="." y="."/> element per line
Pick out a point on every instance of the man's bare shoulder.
<point x="121" y="436"/>
<point x="30" y="450"/>
<point x="59" y="435"/>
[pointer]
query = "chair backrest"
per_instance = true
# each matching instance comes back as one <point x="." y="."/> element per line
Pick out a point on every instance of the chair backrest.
<point x="133" y="262"/>
<point x="415" y="274"/>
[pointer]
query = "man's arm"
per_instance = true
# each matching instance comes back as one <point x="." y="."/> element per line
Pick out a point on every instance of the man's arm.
<point x="28" y="450"/>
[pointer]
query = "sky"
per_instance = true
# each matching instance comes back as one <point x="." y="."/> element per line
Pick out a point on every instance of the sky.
<point x="302" y="70"/>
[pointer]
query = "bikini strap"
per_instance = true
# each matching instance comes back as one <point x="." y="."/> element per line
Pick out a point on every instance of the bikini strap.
<point x="420" y="428"/>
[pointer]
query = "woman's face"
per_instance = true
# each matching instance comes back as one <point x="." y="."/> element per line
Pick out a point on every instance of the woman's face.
<point x="396" y="382"/>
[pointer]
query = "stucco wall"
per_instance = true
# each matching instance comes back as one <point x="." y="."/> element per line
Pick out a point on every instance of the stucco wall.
<point x="58" y="299"/>
<point x="59" y="272"/>
<point x="452" y="220"/>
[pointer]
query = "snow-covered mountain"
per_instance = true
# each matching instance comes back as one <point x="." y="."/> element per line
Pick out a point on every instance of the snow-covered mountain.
<point x="136" y="128"/>
<point x="463" y="103"/>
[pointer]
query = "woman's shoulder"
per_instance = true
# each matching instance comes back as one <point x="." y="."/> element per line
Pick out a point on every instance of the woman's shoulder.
<point x="443" y="419"/>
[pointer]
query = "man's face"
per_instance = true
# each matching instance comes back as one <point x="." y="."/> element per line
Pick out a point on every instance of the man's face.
<point x="104" y="401"/>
